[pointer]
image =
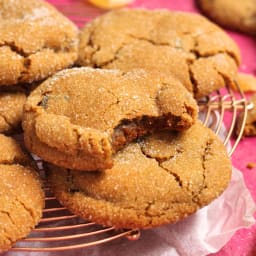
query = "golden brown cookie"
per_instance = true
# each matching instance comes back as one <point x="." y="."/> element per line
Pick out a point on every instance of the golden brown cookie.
<point x="237" y="15"/>
<point x="80" y="117"/>
<point x="246" y="82"/>
<point x="250" y="123"/>
<point x="35" y="41"/>
<point x="160" y="179"/>
<point x="21" y="196"/>
<point x="185" y="45"/>
<point x="11" y="109"/>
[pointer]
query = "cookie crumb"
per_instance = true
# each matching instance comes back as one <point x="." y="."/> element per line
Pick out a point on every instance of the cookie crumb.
<point x="251" y="165"/>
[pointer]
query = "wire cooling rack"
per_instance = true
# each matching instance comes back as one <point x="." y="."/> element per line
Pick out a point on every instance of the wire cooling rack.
<point x="60" y="230"/>
<point x="222" y="109"/>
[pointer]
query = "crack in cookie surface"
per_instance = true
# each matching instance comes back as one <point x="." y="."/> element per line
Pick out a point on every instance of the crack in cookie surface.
<point x="161" y="159"/>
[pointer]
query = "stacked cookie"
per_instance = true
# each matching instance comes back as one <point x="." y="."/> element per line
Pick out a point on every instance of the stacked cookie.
<point x="230" y="14"/>
<point x="121" y="137"/>
<point x="35" y="42"/>
<point x="81" y="117"/>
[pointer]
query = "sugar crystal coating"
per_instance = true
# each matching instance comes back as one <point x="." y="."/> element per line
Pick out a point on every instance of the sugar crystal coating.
<point x="21" y="195"/>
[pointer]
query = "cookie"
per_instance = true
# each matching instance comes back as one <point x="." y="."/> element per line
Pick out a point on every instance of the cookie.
<point x="35" y="41"/>
<point x="197" y="52"/>
<point x="80" y="117"/>
<point x="246" y="82"/>
<point x="11" y="110"/>
<point x="158" y="180"/>
<point x="250" y="123"/>
<point x="21" y="196"/>
<point x="237" y="15"/>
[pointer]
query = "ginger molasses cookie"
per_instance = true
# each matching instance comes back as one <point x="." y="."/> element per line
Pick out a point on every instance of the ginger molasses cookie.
<point x="35" y="41"/>
<point x="201" y="55"/>
<point x="237" y="15"/>
<point x="250" y="123"/>
<point x="80" y="117"/>
<point x="21" y="196"/>
<point x="11" y="109"/>
<point x="158" y="180"/>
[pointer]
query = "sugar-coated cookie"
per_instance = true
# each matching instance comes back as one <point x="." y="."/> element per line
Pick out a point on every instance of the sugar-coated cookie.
<point x="21" y="195"/>
<point x="237" y="15"/>
<point x="200" y="54"/>
<point x="158" y="180"/>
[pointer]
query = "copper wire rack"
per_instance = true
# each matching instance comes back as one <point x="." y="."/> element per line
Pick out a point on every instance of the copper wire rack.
<point x="61" y="230"/>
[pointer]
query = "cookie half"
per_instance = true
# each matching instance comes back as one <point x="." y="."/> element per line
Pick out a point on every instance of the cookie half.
<point x="35" y="41"/>
<point x="80" y="117"/>
<point x="158" y="180"/>
<point x="237" y="15"/>
<point x="201" y="55"/>
<point x="21" y="196"/>
<point x="11" y="110"/>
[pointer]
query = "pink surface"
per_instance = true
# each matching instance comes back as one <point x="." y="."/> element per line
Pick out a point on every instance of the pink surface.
<point x="243" y="242"/>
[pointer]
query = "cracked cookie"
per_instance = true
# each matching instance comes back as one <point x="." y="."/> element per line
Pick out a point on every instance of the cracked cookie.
<point x="11" y="110"/>
<point x="80" y="117"/>
<point x="201" y="55"/>
<point x="250" y="123"/>
<point x="158" y="180"/>
<point x="21" y="196"/>
<point x="35" y="41"/>
<point x="237" y="15"/>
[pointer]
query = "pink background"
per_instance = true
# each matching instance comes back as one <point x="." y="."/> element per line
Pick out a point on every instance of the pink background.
<point x="243" y="242"/>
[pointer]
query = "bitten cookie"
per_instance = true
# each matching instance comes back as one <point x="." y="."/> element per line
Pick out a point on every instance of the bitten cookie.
<point x="237" y="15"/>
<point x="35" y="41"/>
<point x="160" y="179"/>
<point x="201" y="55"/>
<point x="250" y="123"/>
<point x="11" y="110"/>
<point x="80" y="117"/>
<point x="21" y="196"/>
